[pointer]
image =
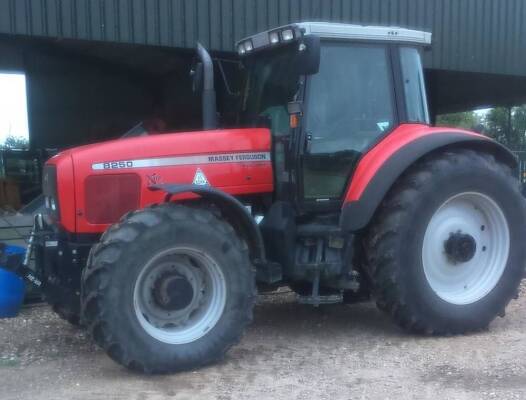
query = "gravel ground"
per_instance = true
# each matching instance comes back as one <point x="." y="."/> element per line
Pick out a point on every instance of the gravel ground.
<point x="291" y="351"/>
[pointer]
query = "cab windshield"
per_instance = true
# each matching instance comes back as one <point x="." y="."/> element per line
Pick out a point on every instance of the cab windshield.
<point x="271" y="82"/>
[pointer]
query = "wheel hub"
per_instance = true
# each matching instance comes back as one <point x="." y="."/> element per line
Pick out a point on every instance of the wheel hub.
<point x="460" y="247"/>
<point x="465" y="248"/>
<point x="173" y="292"/>
<point x="179" y="295"/>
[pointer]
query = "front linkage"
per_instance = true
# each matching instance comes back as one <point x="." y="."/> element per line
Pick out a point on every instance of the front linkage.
<point x="19" y="263"/>
<point x="58" y="265"/>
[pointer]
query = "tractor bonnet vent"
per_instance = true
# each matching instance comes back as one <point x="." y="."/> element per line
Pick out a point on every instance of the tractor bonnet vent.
<point x="109" y="197"/>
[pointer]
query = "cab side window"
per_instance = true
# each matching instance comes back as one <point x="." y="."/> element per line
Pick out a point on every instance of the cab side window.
<point x="414" y="86"/>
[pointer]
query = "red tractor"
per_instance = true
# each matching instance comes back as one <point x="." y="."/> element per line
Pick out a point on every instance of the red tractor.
<point x="334" y="184"/>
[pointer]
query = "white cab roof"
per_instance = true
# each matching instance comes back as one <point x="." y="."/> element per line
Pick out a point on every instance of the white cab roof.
<point x="360" y="32"/>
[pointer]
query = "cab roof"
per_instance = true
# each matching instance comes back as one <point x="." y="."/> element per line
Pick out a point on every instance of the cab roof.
<point x="361" y="32"/>
<point x="331" y="30"/>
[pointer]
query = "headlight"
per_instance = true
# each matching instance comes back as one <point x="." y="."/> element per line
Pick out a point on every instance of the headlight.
<point x="273" y="37"/>
<point x="287" y="35"/>
<point x="49" y="190"/>
<point x="241" y="49"/>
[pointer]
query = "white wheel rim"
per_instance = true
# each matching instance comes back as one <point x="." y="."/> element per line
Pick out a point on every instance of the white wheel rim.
<point x="479" y="216"/>
<point x="205" y="312"/>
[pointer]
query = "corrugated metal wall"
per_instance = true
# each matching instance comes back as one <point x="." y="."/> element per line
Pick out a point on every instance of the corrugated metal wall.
<point x="470" y="35"/>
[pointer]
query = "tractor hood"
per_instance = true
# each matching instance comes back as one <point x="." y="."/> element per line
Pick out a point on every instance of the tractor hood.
<point x="108" y="179"/>
<point x="170" y="144"/>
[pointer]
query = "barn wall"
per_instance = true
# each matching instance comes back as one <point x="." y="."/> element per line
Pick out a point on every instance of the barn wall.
<point x="485" y="36"/>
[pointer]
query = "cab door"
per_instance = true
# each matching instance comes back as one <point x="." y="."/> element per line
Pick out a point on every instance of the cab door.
<point x="349" y="106"/>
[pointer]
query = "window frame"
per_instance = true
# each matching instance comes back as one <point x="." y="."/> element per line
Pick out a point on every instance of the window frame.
<point x="399" y="77"/>
<point x="399" y="114"/>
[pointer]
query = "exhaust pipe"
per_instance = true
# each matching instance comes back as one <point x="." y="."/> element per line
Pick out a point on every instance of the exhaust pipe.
<point x="209" y="94"/>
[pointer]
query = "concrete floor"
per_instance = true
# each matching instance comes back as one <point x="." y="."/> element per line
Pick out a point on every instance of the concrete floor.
<point x="291" y="351"/>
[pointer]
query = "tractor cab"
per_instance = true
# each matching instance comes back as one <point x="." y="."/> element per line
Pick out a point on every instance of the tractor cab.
<point x="329" y="92"/>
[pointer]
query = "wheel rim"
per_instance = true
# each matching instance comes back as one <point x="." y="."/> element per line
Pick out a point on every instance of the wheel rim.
<point x="179" y="295"/>
<point x="465" y="248"/>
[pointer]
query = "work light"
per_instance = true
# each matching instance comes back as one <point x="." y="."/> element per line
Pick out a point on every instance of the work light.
<point x="248" y="46"/>
<point x="287" y="35"/>
<point x="273" y="37"/>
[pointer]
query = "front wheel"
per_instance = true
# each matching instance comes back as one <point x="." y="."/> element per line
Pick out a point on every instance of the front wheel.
<point x="445" y="249"/>
<point x="168" y="288"/>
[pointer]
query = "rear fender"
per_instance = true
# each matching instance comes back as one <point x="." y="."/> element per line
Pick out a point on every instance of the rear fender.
<point x="379" y="169"/>
<point x="232" y="210"/>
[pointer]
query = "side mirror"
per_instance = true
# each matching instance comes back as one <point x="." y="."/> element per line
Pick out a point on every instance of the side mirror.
<point x="309" y="55"/>
<point x="197" y="77"/>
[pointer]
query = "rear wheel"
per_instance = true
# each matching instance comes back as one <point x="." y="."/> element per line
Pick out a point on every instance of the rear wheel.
<point x="168" y="288"/>
<point x="445" y="249"/>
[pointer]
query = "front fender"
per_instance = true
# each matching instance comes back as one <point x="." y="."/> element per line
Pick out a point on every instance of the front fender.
<point x="232" y="209"/>
<point x="379" y="169"/>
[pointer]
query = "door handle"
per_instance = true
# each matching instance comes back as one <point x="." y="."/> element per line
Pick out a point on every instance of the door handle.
<point x="308" y="141"/>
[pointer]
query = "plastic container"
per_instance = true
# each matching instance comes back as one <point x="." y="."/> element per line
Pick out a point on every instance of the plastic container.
<point x="12" y="288"/>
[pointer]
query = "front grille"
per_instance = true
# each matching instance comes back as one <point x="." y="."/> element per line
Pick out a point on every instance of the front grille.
<point x="109" y="197"/>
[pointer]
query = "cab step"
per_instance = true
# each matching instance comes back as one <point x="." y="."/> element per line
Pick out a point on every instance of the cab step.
<point x="317" y="300"/>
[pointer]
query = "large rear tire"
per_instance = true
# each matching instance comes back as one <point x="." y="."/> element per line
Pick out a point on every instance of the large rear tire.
<point x="168" y="288"/>
<point x="445" y="250"/>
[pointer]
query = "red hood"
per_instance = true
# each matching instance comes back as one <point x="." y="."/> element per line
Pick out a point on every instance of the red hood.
<point x="223" y="156"/>
<point x="169" y="144"/>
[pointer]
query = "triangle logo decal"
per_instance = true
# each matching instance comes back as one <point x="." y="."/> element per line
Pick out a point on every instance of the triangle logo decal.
<point x="200" y="178"/>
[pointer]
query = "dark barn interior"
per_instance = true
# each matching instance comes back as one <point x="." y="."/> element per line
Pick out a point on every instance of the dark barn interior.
<point x="81" y="92"/>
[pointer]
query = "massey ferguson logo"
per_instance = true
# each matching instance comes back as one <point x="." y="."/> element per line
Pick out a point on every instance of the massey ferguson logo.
<point x="238" y="157"/>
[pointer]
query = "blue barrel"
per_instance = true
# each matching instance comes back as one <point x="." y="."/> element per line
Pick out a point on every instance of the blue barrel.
<point x="12" y="288"/>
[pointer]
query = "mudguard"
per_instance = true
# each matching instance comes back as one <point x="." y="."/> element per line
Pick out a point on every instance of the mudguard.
<point x="379" y="169"/>
<point x="233" y="210"/>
